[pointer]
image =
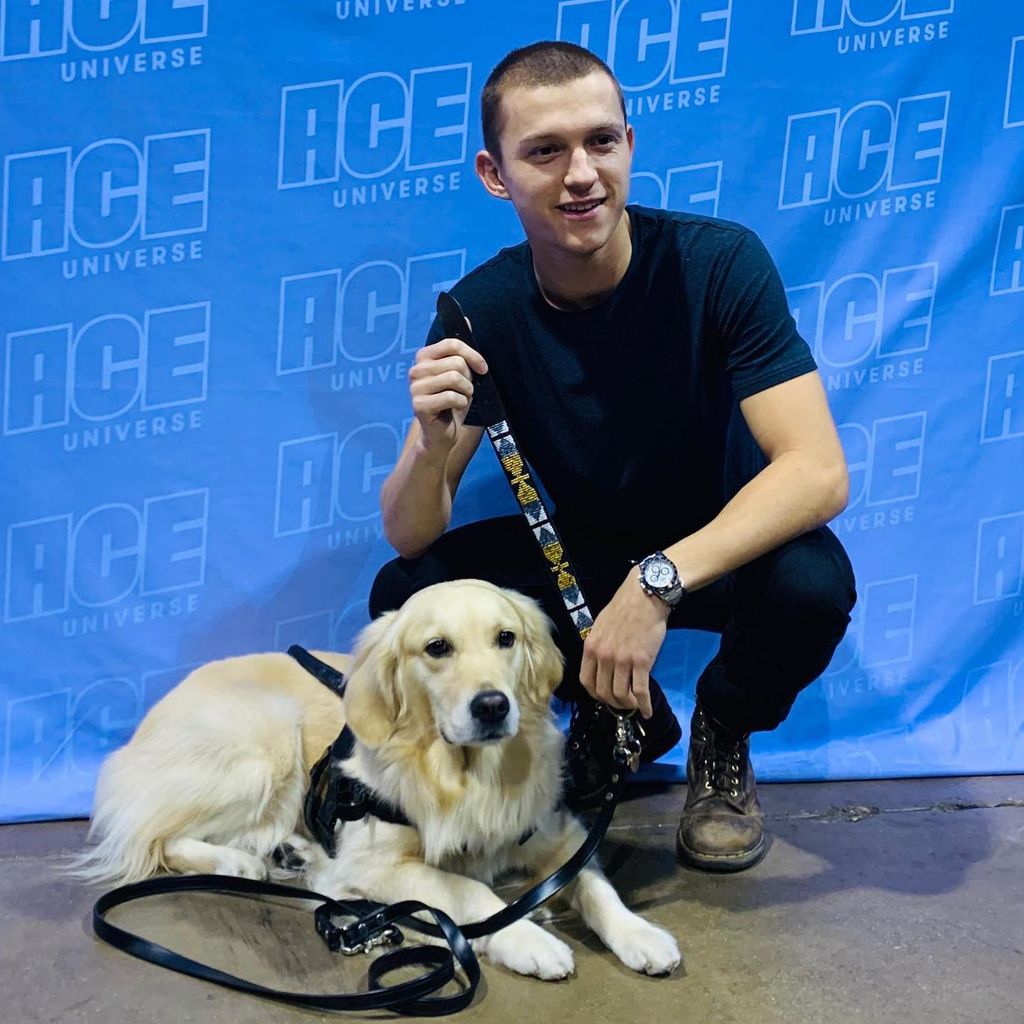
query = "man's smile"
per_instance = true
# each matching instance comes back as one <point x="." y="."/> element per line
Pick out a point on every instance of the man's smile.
<point x="581" y="210"/>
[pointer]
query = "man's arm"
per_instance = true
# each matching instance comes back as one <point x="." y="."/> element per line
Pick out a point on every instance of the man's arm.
<point x="416" y="499"/>
<point x="804" y="485"/>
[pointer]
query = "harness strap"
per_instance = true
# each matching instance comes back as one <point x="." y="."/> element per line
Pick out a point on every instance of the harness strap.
<point x="332" y="795"/>
<point x="330" y="677"/>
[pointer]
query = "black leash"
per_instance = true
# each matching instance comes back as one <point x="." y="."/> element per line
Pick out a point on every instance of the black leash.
<point x="374" y="924"/>
<point x="411" y="997"/>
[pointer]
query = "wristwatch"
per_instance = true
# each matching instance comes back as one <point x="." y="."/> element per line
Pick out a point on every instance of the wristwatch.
<point x="659" y="576"/>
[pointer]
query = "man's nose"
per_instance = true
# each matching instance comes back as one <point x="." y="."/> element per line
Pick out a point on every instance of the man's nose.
<point x="581" y="170"/>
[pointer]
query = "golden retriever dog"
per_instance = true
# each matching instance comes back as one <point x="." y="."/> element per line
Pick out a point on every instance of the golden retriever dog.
<point x="449" y="700"/>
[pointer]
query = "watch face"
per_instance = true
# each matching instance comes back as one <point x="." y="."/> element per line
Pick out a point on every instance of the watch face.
<point x="658" y="573"/>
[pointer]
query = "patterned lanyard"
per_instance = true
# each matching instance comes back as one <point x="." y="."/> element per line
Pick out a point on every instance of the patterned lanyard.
<point x="488" y="406"/>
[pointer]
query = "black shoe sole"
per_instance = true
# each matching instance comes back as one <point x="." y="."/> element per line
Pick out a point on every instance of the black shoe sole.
<point x="722" y="863"/>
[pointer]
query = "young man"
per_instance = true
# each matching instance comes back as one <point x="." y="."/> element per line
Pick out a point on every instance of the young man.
<point x="658" y="387"/>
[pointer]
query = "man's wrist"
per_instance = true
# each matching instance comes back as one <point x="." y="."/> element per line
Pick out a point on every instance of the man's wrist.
<point x="659" y="578"/>
<point x="434" y="455"/>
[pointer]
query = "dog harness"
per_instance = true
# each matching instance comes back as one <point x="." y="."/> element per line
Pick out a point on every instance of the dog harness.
<point x="333" y="795"/>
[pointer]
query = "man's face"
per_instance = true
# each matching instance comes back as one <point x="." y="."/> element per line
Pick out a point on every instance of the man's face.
<point x="565" y="162"/>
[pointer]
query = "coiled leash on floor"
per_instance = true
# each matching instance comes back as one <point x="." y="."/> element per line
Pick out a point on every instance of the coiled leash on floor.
<point x="334" y="797"/>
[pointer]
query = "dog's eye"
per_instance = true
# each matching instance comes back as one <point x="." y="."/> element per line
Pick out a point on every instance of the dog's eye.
<point x="438" y="648"/>
<point x="506" y="638"/>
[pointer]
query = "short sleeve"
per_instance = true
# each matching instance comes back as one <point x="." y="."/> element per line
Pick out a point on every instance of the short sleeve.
<point x="761" y="346"/>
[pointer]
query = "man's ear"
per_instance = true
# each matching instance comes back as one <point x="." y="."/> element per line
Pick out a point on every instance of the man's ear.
<point x="544" y="660"/>
<point x="373" y="705"/>
<point x="488" y="171"/>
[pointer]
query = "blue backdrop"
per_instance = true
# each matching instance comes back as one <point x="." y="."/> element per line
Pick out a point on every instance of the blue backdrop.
<point x="223" y="228"/>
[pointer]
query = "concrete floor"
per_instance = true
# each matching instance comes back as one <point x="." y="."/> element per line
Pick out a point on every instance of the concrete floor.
<point x="878" y="902"/>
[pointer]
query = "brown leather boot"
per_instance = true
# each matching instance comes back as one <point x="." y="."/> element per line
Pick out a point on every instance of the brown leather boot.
<point x="722" y="825"/>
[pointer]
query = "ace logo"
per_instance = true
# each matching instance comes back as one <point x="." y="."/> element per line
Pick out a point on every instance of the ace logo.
<point x="103" y="38"/>
<point x="45" y="28"/>
<point x="378" y="136"/>
<point x="376" y="310"/>
<point x="100" y="557"/>
<point x="859" y="25"/>
<point x="1013" y="114"/>
<point x="695" y="188"/>
<point x="885" y="460"/>
<point x="110" y="366"/>
<point x="873" y="160"/>
<point x="999" y="559"/>
<point x="1008" y="263"/>
<point x="1003" y="411"/>
<point x="111" y="191"/>
<point x="867" y="327"/>
<point x="329" y="479"/>
<point x="657" y="49"/>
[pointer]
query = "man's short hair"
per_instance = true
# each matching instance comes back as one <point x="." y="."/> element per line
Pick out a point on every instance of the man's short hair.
<point x="544" y="63"/>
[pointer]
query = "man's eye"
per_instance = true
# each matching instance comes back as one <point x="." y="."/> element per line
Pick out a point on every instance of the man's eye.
<point x="438" y="648"/>
<point x="543" y="151"/>
<point x="506" y="638"/>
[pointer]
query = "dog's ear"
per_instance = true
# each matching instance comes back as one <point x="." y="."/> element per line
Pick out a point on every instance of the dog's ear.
<point x="544" y="660"/>
<point x="373" y="705"/>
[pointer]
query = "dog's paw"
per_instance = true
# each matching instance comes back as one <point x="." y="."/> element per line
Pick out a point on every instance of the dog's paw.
<point x="239" y="864"/>
<point x="294" y="855"/>
<point x="646" y="948"/>
<point x="526" y="948"/>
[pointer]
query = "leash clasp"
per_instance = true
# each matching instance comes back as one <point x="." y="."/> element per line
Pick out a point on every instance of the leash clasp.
<point x="362" y="935"/>
<point x="390" y="936"/>
<point x="626" y="749"/>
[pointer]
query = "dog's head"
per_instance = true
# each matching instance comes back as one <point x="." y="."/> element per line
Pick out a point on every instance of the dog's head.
<point x="465" y="659"/>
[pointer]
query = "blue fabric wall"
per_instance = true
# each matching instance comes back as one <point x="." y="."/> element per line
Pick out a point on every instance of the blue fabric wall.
<point x="223" y="228"/>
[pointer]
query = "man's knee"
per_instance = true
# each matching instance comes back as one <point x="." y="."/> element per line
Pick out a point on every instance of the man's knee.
<point x="809" y="587"/>
<point x="391" y="586"/>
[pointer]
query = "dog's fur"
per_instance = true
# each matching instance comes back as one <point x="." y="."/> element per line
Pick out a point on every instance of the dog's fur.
<point x="213" y="779"/>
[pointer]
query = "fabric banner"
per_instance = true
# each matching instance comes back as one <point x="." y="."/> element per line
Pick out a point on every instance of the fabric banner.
<point x="224" y="226"/>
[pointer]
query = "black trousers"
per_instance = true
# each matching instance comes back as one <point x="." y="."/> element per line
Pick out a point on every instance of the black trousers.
<point x="781" y="616"/>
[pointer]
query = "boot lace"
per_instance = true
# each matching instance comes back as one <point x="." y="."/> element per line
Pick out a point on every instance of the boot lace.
<point x="724" y="761"/>
<point x="583" y="720"/>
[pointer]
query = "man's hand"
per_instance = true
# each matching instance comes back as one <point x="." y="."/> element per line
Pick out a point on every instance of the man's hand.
<point x="441" y="388"/>
<point x="621" y="647"/>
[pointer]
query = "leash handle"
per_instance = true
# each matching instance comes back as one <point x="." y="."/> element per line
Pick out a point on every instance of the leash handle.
<point x="491" y="411"/>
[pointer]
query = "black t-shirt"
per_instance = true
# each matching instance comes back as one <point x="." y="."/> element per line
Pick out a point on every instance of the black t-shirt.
<point x="627" y="411"/>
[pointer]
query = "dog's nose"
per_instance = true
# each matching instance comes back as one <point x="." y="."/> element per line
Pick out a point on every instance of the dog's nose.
<point x="489" y="707"/>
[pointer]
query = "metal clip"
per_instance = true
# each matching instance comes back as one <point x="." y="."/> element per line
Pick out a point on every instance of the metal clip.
<point x="389" y="936"/>
<point x="627" y="743"/>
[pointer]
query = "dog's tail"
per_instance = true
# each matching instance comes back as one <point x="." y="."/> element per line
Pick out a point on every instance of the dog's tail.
<point x="230" y="772"/>
<point x="128" y="827"/>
